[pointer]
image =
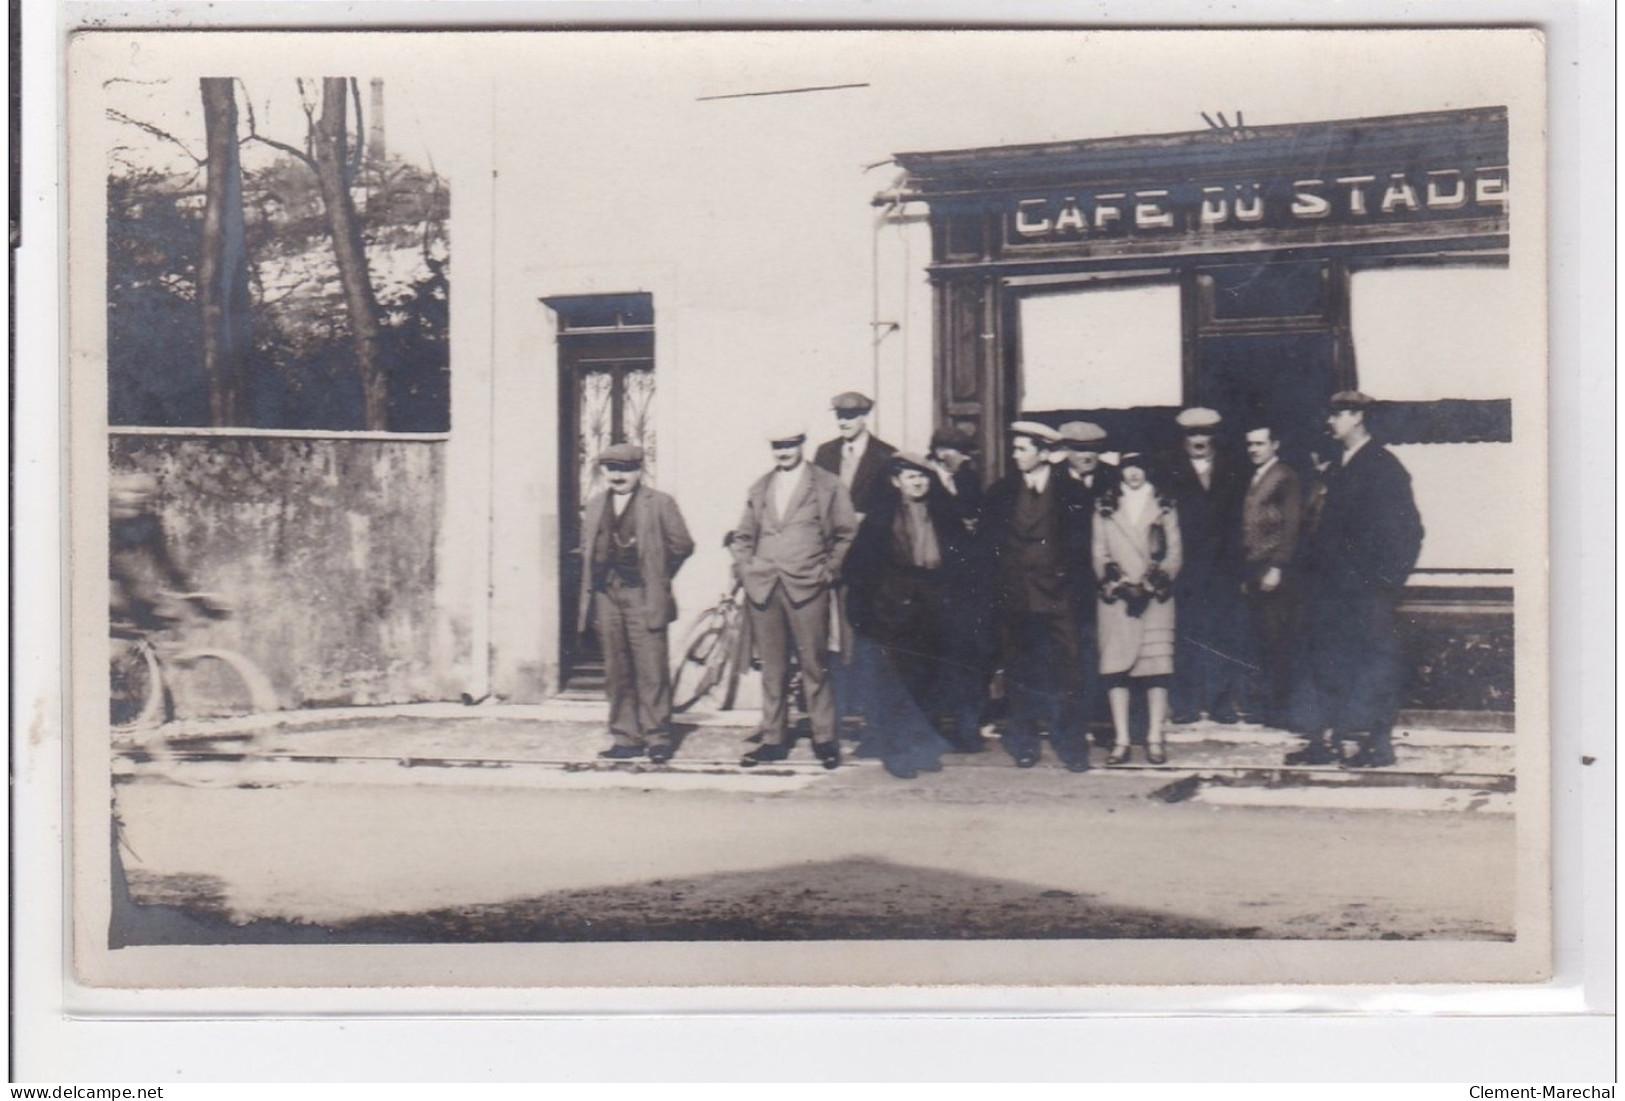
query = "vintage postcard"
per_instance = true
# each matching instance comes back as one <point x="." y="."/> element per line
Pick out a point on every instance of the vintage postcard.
<point x="844" y="508"/>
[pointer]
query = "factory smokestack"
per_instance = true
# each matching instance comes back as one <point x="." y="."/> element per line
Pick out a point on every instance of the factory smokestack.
<point x="375" y="131"/>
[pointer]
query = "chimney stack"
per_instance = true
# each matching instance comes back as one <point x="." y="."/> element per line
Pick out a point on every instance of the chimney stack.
<point x="375" y="131"/>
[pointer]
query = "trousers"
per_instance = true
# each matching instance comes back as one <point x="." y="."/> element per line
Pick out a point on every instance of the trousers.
<point x="637" y="674"/>
<point x="1040" y="682"/>
<point x="778" y="625"/>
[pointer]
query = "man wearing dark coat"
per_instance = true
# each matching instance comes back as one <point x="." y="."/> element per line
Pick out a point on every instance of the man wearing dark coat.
<point x="1271" y="522"/>
<point x="905" y="574"/>
<point x="633" y="540"/>
<point x="1364" y="546"/>
<point x="970" y="635"/>
<point x="856" y="456"/>
<point x="1083" y="442"/>
<point x="859" y="459"/>
<point x="1032" y="525"/>
<point x="1207" y="486"/>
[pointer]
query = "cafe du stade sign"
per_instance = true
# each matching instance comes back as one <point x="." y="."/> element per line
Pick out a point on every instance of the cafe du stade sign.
<point x="1343" y="198"/>
<point x="1401" y="183"/>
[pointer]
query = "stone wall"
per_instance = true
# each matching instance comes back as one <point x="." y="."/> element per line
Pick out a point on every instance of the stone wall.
<point x="324" y="549"/>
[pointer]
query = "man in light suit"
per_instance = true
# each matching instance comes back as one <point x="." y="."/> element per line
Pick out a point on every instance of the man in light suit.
<point x="789" y="548"/>
<point x="1271" y="523"/>
<point x="633" y="540"/>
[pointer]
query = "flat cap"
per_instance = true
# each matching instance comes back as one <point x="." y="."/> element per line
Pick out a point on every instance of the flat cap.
<point x="851" y="402"/>
<point x="1198" y="420"/>
<point x="1350" y="399"/>
<point x="951" y="435"/>
<point x="910" y="460"/>
<point x="1041" y="433"/>
<point x="1083" y="435"/>
<point x="786" y="432"/>
<point x="621" y="453"/>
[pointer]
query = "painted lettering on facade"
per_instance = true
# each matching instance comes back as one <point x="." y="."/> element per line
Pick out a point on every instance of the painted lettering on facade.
<point x="1338" y="198"/>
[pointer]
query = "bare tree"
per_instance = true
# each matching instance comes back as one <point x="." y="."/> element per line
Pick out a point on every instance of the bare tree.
<point x="223" y="258"/>
<point x="332" y="156"/>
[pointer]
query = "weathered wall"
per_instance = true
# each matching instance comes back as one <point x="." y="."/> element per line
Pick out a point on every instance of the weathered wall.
<point x="325" y="549"/>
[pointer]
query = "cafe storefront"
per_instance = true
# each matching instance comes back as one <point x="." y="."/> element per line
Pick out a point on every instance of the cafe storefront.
<point x="1256" y="271"/>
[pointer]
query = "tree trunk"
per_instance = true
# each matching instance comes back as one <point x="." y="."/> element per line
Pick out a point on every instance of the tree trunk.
<point x="223" y="258"/>
<point x="332" y="138"/>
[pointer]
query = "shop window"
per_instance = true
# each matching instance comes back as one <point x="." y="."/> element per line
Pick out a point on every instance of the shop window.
<point x="1424" y="334"/>
<point x="1101" y="349"/>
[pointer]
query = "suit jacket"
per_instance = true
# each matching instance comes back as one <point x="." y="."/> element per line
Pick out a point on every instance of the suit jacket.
<point x="1208" y="518"/>
<point x="869" y="484"/>
<point x="1271" y="520"/>
<point x="1370" y="533"/>
<point x="803" y="549"/>
<point x="663" y="546"/>
<point x="1053" y="587"/>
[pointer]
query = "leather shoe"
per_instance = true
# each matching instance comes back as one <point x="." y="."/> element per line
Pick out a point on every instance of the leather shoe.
<point x="1315" y="753"/>
<point x="1367" y="758"/>
<point x="1185" y="718"/>
<point x="1027" y="760"/>
<point x="621" y="752"/>
<point x="828" y="754"/>
<point x="1154" y="755"/>
<point x="763" y="754"/>
<point x="901" y="769"/>
<point x="1118" y="756"/>
<point x="1225" y="717"/>
<point x="659" y="754"/>
<point x="1077" y="766"/>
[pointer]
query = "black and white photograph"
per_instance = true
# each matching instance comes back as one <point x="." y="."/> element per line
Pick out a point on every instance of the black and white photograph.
<point x="843" y="508"/>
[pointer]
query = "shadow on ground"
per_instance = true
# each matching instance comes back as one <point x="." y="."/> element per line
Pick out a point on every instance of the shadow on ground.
<point x="858" y="899"/>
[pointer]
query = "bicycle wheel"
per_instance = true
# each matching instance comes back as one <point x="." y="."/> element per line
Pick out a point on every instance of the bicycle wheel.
<point x="703" y="664"/>
<point x="215" y="684"/>
<point x="137" y="696"/>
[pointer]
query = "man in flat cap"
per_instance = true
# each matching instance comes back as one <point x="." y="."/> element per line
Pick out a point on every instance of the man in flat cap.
<point x="1364" y="546"/>
<point x="970" y="644"/>
<point x="789" y="549"/>
<point x="1210" y="661"/>
<point x="1032" y="525"/>
<point x="905" y="576"/>
<point x="859" y="459"/>
<point x="633" y="540"/>
<point x="1082" y="443"/>
<point x="856" y="456"/>
<point x="953" y="456"/>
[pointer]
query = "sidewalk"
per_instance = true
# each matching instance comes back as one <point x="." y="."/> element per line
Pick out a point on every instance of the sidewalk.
<point x="569" y="734"/>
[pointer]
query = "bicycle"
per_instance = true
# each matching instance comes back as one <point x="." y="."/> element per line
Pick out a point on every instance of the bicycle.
<point x="145" y="659"/>
<point x="715" y="654"/>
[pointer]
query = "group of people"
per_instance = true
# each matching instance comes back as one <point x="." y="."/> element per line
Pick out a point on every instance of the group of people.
<point x="903" y="591"/>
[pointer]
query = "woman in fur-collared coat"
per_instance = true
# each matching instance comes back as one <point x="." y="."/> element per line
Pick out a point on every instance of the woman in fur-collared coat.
<point x="1137" y="554"/>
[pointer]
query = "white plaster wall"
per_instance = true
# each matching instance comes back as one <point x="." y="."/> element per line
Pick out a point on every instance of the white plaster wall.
<point x="750" y="223"/>
<point x="1477" y="505"/>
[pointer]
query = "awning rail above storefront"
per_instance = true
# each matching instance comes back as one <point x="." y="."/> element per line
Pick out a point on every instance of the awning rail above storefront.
<point x="1474" y="138"/>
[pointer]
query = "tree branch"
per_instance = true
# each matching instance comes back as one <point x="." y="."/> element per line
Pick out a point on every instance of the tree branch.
<point x="284" y="147"/>
<point x="120" y="116"/>
<point x="255" y="135"/>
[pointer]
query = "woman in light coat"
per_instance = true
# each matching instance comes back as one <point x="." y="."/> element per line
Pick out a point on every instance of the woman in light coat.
<point x="1137" y="555"/>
